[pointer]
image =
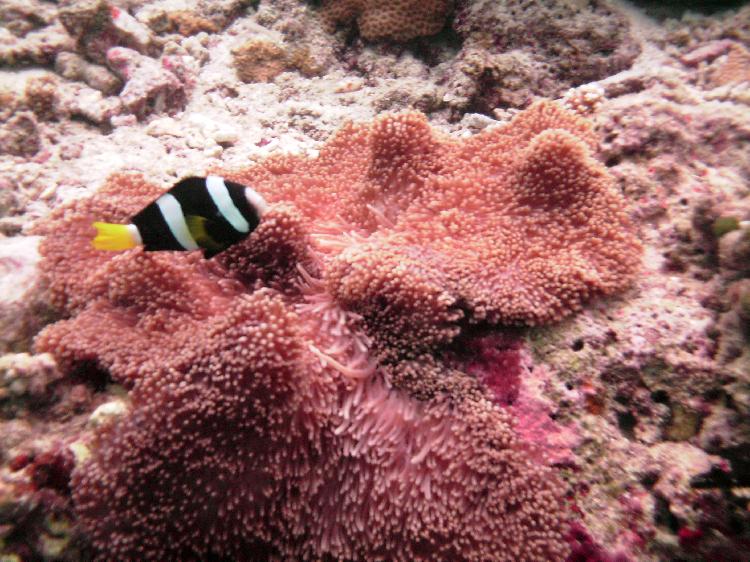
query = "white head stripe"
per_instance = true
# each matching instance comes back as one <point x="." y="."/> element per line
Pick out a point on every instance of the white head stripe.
<point x="219" y="193"/>
<point x="135" y="234"/>
<point x="172" y="212"/>
<point x="256" y="200"/>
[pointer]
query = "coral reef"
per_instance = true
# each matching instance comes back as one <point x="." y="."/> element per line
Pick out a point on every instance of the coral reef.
<point x="96" y="26"/>
<point x="503" y="54"/>
<point x="634" y="410"/>
<point x="74" y="67"/>
<point x="693" y="29"/>
<point x="190" y="18"/>
<point x="261" y="60"/>
<point x="30" y="33"/>
<point x="676" y="141"/>
<point x="41" y="414"/>
<point x="735" y="68"/>
<point x="113" y="52"/>
<point x="25" y="382"/>
<point x="304" y="347"/>
<point x="23" y="309"/>
<point x="400" y="20"/>
<point x="19" y="136"/>
<point x="515" y="51"/>
<point x="148" y="85"/>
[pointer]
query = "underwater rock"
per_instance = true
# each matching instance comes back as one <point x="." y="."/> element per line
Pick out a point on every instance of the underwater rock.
<point x="74" y="67"/>
<point x="149" y="86"/>
<point x="514" y="51"/>
<point x="20" y="17"/>
<point x="83" y="102"/>
<point x="734" y="68"/>
<point x="41" y="96"/>
<point x="19" y="136"/>
<point x="707" y="52"/>
<point x="97" y="26"/>
<point x="188" y="17"/>
<point x="695" y="30"/>
<point x="676" y="464"/>
<point x="36" y="47"/>
<point x="22" y="309"/>
<point x="107" y="413"/>
<point x="734" y="250"/>
<point x="585" y="99"/>
<point x="184" y="22"/>
<point x="25" y="382"/>
<point x="732" y="328"/>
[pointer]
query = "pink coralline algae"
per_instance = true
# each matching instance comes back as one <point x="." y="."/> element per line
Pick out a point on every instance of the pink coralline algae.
<point x="503" y="365"/>
<point x="291" y="398"/>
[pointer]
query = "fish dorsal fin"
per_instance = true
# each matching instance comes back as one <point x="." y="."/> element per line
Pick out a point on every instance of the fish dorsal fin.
<point x="197" y="226"/>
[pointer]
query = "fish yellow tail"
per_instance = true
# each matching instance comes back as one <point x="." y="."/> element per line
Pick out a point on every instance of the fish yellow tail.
<point x="113" y="237"/>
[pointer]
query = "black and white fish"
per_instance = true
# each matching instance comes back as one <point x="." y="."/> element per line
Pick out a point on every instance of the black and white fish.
<point x="209" y="214"/>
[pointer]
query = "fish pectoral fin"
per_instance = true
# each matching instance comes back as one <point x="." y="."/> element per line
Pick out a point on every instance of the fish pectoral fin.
<point x="197" y="227"/>
<point x="113" y="237"/>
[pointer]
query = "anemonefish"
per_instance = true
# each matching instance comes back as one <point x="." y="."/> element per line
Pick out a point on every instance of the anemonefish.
<point x="208" y="214"/>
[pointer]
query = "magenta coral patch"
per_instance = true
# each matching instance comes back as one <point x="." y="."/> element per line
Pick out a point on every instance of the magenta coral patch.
<point x="496" y="361"/>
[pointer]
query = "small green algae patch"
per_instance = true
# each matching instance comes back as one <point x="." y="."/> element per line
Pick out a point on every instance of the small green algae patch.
<point x="723" y="225"/>
<point x="684" y="423"/>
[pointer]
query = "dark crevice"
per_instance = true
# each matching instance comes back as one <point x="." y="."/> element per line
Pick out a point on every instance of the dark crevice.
<point x="626" y="422"/>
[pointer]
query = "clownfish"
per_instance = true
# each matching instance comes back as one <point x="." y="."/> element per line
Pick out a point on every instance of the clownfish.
<point x="208" y="214"/>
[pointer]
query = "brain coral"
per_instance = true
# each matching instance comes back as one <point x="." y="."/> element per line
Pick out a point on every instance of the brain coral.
<point x="269" y="417"/>
<point x="399" y="20"/>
